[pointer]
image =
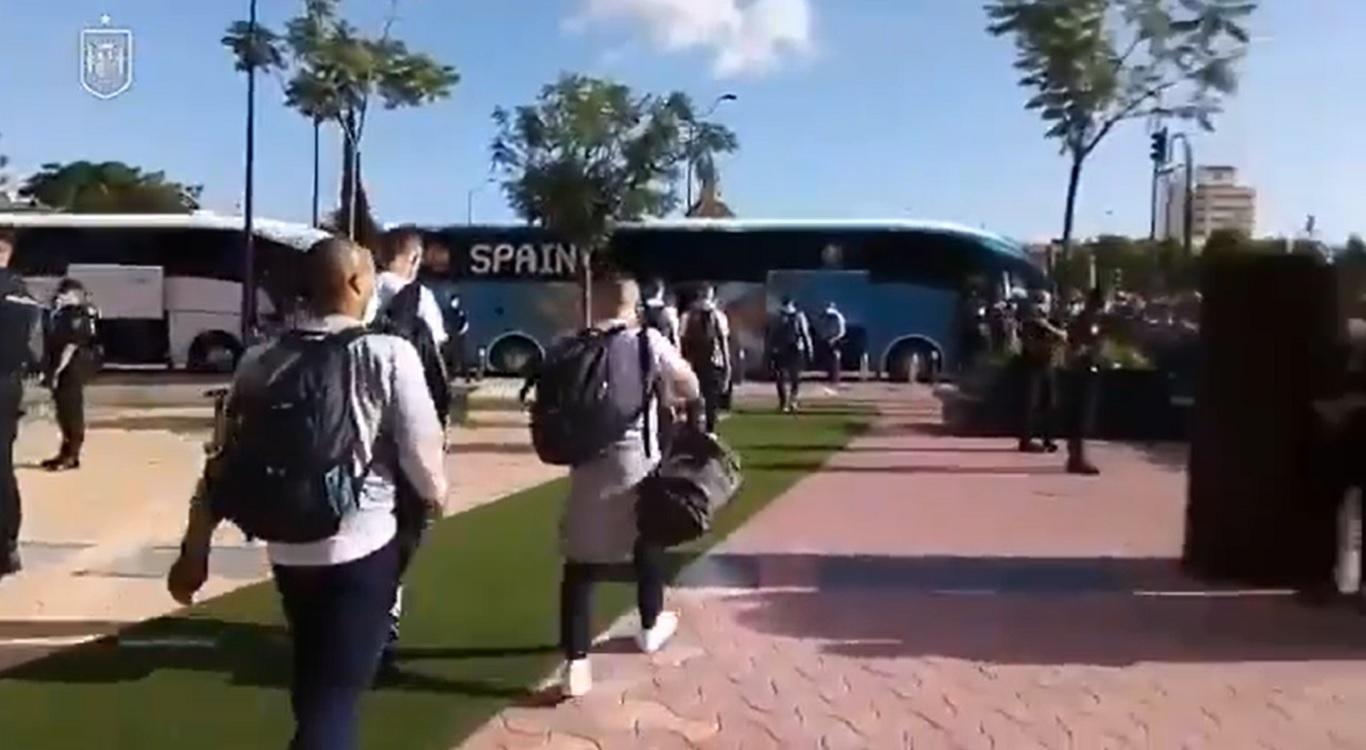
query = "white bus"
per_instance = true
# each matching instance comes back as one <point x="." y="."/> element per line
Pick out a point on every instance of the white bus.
<point x="168" y="286"/>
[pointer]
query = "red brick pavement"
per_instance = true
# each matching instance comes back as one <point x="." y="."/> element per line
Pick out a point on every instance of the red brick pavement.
<point x="932" y="592"/>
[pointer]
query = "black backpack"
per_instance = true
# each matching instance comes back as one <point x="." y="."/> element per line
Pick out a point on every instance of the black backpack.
<point x="787" y="339"/>
<point x="400" y="318"/>
<point x="702" y="345"/>
<point x="589" y="391"/>
<point x="678" y="501"/>
<point x="655" y="317"/>
<point x="286" y="472"/>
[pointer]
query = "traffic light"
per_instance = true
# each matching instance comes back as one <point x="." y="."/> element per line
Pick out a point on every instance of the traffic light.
<point x="1159" y="150"/>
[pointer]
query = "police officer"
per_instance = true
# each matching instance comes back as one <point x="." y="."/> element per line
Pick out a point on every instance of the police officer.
<point x="1083" y="344"/>
<point x="70" y="349"/>
<point x="19" y="315"/>
<point x="1041" y="342"/>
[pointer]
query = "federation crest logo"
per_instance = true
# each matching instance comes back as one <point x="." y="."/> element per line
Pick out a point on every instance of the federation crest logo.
<point x="106" y="60"/>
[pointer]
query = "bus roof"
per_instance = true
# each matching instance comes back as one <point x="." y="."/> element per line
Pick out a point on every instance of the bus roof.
<point x="995" y="241"/>
<point x="299" y="236"/>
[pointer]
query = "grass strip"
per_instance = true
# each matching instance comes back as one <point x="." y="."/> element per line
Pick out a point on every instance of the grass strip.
<point x="479" y="630"/>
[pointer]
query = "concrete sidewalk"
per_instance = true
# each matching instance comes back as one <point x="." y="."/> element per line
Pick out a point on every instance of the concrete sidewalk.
<point x="925" y="591"/>
<point x="97" y="543"/>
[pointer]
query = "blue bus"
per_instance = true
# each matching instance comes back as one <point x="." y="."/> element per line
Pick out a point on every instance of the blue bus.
<point x="899" y="283"/>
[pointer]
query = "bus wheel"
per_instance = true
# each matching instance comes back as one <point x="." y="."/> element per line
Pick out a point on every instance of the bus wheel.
<point x="913" y="360"/>
<point x="514" y="355"/>
<point x="215" y="352"/>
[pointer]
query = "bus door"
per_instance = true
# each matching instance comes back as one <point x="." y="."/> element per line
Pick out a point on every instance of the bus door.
<point x="812" y="291"/>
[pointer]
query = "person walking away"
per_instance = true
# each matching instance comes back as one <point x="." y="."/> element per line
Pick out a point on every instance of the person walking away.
<point x="323" y="499"/>
<point x="435" y="275"/>
<point x="71" y="346"/>
<point x="834" y="328"/>
<point x="598" y="526"/>
<point x="20" y="315"/>
<point x="1083" y="342"/>
<point x="789" y="349"/>
<point x="409" y="311"/>
<point x="657" y="313"/>
<point x="1041" y="342"/>
<point x="706" y="347"/>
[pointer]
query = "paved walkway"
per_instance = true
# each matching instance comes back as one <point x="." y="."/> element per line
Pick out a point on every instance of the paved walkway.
<point x="933" y="592"/>
<point x="97" y="543"/>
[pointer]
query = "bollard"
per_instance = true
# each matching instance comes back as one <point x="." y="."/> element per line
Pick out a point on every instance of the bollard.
<point x="482" y="363"/>
<point x="1349" y="543"/>
<point x="864" y="366"/>
<point x="738" y="377"/>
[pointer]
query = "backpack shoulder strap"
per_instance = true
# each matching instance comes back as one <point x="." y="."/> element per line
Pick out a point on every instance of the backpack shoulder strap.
<point x="648" y="385"/>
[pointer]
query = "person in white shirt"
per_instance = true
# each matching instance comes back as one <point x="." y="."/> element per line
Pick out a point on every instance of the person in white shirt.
<point x="598" y="526"/>
<point x="336" y="593"/>
<point x="400" y="259"/>
<point x="706" y="346"/>
<point x="834" y="328"/>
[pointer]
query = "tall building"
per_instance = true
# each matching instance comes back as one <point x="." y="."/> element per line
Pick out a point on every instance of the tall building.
<point x="1220" y="203"/>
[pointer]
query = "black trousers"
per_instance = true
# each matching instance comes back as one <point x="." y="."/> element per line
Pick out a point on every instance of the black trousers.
<point x="69" y="396"/>
<point x="713" y="392"/>
<point x="787" y="374"/>
<point x="576" y="597"/>
<point x="337" y="617"/>
<point x="1040" y="402"/>
<point x="1080" y="411"/>
<point x="11" y="514"/>
<point x="836" y="364"/>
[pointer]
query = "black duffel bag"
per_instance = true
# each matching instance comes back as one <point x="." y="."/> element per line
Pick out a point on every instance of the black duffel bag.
<point x="696" y="478"/>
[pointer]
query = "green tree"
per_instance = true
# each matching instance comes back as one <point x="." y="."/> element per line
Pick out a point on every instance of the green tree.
<point x="589" y="153"/>
<point x="1093" y="64"/>
<point x="109" y="187"/>
<point x="4" y="175"/>
<point x="1355" y="247"/>
<point x="332" y="72"/>
<point x="1227" y="241"/>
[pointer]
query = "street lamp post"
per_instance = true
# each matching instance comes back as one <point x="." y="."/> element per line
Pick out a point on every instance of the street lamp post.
<point x="248" y="236"/>
<point x="469" y="200"/>
<point x="1188" y="212"/>
<point x="692" y="137"/>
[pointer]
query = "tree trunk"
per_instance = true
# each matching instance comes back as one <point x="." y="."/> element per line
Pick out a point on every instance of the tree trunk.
<point x="350" y="178"/>
<point x="1073" y="185"/>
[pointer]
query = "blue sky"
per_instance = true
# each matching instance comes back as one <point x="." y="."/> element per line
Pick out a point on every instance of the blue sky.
<point x="847" y="108"/>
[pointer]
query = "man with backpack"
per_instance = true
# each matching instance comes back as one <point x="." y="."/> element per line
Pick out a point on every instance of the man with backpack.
<point x="71" y="348"/>
<point x="706" y="347"/>
<point x="409" y="310"/>
<point x="320" y="426"/>
<point x="833" y="329"/>
<point x="789" y="350"/>
<point x="657" y="313"/>
<point x="595" y="411"/>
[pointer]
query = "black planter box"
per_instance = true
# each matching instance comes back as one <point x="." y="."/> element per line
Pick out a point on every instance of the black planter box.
<point x="1130" y="405"/>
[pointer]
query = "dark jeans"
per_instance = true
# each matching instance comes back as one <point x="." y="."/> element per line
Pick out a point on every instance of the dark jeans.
<point x="1081" y="411"/>
<point x="1040" y="402"/>
<point x="337" y="615"/>
<point x="836" y="364"/>
<point x="456" y="359"/>
<point x="788" y="376"/>
<point x="412" y="527"/>
<point x="576" y="597"/>
<point x="11" y="398"/>
<point x="69" y="396"/>
<point x="713" y="392"/>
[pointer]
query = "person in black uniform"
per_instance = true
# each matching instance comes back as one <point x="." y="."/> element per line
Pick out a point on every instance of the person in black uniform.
<point x="19" y="315"/>
<point x="1083" y="353"/>
<point x="1041" y="342"/>
<point x="71" y="342"/>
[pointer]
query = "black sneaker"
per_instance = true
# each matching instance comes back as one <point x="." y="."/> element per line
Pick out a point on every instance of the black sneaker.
<point x="1050" y="447"/>
<point x="1029" y="446"/>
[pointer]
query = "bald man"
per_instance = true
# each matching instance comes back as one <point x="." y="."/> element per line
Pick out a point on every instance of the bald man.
<point x="337" y="592"/>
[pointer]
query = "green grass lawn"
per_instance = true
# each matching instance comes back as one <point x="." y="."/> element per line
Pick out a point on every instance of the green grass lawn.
<point x="479" y="631"/>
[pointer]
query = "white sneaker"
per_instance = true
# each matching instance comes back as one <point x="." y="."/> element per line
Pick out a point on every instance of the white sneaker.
<point x="576" y="678"/>
<point x="652" y="640"/>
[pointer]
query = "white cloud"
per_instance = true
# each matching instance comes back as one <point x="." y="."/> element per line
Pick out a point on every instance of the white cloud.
<point x="742" y="36"/>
